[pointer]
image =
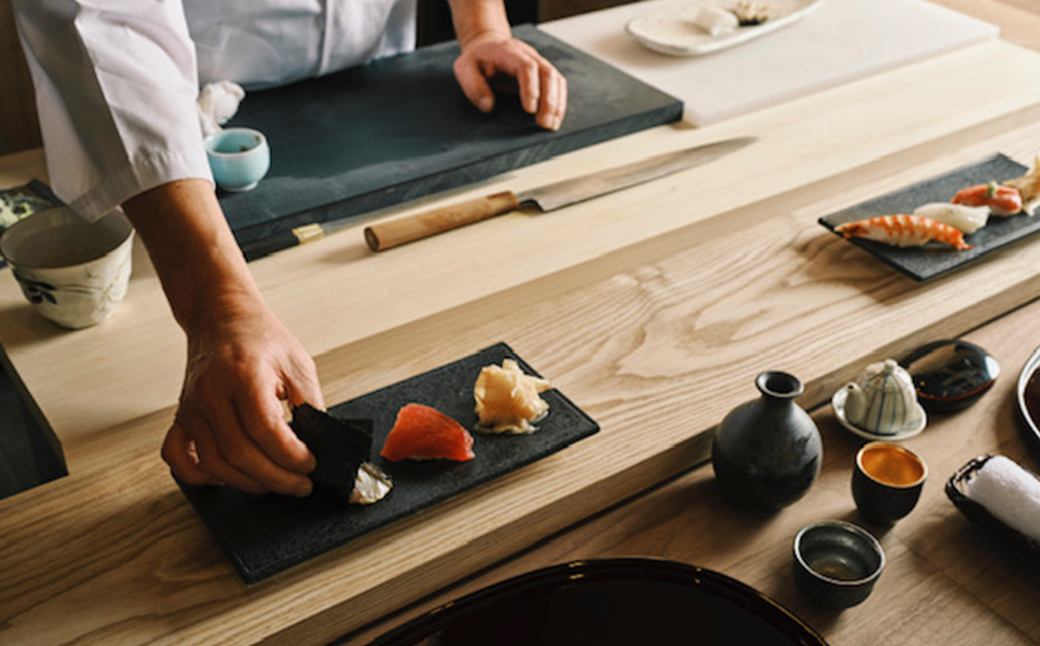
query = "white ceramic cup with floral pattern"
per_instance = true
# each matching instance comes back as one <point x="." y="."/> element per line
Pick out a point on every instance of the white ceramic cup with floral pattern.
<point x="74" y="272"/>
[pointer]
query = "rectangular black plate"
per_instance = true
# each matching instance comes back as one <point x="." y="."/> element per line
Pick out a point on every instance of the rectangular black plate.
<point x="399" y="128"/>
<point x="265" y="534"/>
<point x="923" y="263"/>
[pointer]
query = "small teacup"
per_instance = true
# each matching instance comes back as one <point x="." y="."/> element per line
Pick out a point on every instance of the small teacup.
<point x="238" y="157"/>
<point x="887" y="481"/>
<point x="73" y="271"/>
<point x="836" y="563"/>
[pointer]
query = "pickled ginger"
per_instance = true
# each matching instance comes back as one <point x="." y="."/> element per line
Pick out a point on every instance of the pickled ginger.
<point x="508" y="400"/>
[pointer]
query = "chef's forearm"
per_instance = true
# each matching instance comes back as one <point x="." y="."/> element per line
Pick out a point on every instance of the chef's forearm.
<point x="473" y="18"/>
<point x="192" y="248"/>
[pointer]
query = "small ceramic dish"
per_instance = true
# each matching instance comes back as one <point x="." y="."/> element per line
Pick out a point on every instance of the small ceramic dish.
<point x="670" y="31"/>
<point x="957" y="491"/>
<point x="238" y="157"/>
<point x="836" y="563"/>
<point x="838" y="404"/>
<point x="950" y="375"/>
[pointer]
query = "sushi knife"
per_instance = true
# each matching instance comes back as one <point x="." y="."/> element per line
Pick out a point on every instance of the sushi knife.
<point x="550" y="197"/>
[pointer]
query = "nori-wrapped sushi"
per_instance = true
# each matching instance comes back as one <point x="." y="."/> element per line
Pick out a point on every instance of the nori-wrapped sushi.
<point x="339" y="446"/>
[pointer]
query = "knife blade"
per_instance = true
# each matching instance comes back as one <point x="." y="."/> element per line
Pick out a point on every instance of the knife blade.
<point x="550" y="197"/>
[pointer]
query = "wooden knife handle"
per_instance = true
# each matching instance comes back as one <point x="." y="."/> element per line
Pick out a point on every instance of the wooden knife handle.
<point x="390" y="234"/>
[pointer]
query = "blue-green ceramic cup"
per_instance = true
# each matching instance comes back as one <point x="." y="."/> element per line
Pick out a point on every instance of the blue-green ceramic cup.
<point x="239" y="158"/>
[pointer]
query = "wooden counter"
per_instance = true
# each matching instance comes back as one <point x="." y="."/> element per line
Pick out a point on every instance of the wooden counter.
<point x="653" y="309"/>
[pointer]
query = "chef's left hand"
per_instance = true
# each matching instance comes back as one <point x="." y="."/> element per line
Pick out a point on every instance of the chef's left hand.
<point x="543" y="90"/>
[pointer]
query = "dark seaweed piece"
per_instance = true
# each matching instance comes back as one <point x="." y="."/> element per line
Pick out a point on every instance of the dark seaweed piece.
<point x="339" y="446"/>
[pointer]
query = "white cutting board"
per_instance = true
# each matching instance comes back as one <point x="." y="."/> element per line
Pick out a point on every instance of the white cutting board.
<point x="841" y="41"/>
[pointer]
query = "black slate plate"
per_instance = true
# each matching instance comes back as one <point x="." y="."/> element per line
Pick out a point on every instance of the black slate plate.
<point x="622" y="601"/>
<point x="924" y="263"/>
<point x="399" y="128"/>
<point x="266" y="534"/>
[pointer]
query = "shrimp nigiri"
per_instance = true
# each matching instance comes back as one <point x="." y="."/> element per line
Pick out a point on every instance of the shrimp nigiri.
<point x="1028" y="187"/>
<point x="903" y="231"/>
<point x="1001" y="200"/>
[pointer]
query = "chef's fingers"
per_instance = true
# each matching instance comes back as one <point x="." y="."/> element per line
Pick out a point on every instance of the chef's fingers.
<point x="528" y="76"/>
<point x="211" y="458"/>
<point x="474" y="84"/>
<point x="239" y="450"/>
<point x="178" y="451"/>
<point x="301" y="383"/>
<point x="553" y="102"/>
<point x="264" y="422"/>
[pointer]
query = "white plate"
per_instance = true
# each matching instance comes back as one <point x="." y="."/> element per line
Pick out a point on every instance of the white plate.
<point x="670" y="31"/>
<point x="838" y="403"/>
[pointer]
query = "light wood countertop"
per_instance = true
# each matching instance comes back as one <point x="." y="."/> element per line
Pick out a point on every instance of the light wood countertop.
<point x="653" y="309"/>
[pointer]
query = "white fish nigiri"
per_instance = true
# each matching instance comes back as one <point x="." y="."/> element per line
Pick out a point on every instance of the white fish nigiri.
<point x="714" y="20"/>
<point x="963" y="218"/>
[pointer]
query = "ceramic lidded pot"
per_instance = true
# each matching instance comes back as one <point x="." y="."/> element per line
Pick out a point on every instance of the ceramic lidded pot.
<point x="766" y="453"/>
<point x="882" y="399"/>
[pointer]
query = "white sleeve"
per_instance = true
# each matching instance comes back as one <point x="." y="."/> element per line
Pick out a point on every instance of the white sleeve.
<point x="116" y="84"/>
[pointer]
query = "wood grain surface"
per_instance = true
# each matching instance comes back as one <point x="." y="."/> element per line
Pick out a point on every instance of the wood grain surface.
<point x="653" y="310"/>
<point x="946" y="580"/>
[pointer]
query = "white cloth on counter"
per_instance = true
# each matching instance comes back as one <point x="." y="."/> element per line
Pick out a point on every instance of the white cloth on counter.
<point x="1009" y="492"/>
<point x="117" y="80"/>
<point x="217" y="103"/>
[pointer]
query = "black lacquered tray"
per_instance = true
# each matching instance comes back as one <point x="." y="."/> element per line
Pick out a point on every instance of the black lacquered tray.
<point x="607" y="602"/>
<point x="265" y="534"/>
<point x="924" y="263"/>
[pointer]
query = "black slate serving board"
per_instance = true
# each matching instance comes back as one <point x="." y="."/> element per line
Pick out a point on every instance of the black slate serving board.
<point x="399" y="128"/>
<point x="924" y="263"/>
<point x="265" y="534"/>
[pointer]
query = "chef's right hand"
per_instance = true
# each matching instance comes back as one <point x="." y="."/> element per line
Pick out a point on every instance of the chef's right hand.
<point x="486" y="55"/>
<point x="230" y="425"/>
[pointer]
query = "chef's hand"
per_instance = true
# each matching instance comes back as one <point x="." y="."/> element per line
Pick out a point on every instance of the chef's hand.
<point x="243" y="364"/>
<point x="230" y="425"/>
<point x="543" y="90"/>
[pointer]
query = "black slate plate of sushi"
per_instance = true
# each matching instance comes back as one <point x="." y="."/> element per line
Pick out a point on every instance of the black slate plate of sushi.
<point x="262" y="535"/>
<point x="924" y="263"/>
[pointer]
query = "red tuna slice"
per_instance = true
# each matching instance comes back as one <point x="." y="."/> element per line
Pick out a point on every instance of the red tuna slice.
<point x="424" y="433"/>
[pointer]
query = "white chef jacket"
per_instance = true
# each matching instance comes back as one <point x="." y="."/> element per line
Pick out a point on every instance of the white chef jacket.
<point x="116" y="80"/>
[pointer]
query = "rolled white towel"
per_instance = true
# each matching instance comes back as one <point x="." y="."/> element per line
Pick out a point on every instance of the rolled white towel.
<point x="217" y="103"/>
<point x="1009" y="492"/>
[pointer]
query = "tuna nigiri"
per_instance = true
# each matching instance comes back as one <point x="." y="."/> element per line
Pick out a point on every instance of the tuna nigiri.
<point x="1001" y="200"/>
<point x="1028" y="187"/>
<point x="903" y="231"/>
<point x="966" y="219"/>
<point x="425" y="433"/>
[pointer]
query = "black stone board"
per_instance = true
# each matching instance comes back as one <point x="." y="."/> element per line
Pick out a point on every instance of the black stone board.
<point x="30" y="451"/>
<point x="262" y="535"/>
<point x="399" y="128"/>
<point x="924" y="263"/>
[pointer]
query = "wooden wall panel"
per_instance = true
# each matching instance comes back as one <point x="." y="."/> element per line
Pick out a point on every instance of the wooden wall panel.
<point x="18" y="127"/>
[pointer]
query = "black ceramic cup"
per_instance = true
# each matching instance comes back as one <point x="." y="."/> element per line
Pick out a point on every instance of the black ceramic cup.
<point x="887" y="482"/>
<point x="836" y="563"/>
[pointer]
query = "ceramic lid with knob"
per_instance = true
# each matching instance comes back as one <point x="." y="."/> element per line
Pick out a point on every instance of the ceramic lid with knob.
<point x="882" y="401"/>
